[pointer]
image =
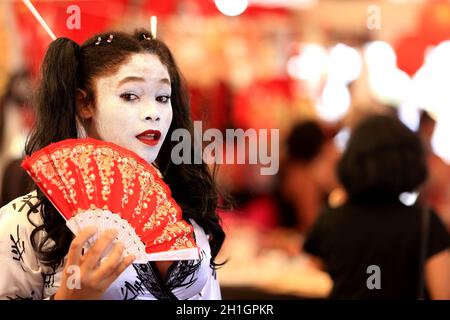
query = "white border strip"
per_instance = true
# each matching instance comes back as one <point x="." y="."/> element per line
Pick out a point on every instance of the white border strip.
<point x="39" y="18"/>
<point x="182" y="254"/>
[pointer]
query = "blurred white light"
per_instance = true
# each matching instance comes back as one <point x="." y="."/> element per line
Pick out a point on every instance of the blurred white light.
<point x="335" y="101"/>
<point x="379" y="56"/>
<point x="409" y="114"/>
<point x="440" y="139"/>
<point x="387" y="82"/>
<point x="430" y="83"/>
<point x="341" y="138"/>
<point x="392" y="86"/>
<point x="438" y="55"/>
<point x="344" y="64"/>
<point x="422" y="88"/>
<point x="408" y="198"/>
<point x="231" y="7"/>
<point x="310" y="64"/>
<point x="430" y="91"/>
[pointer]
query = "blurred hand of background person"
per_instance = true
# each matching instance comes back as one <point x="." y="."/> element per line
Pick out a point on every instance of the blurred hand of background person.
<point x="436" y="191"/>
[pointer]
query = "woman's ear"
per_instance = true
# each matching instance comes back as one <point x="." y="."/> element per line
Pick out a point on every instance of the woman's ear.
<point x="85" y="109"/>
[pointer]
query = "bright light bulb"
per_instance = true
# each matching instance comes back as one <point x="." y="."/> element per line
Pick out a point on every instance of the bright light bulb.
<point x="310" y="64"/>
<point x="335" y="101"/>
<point x="409" y="114"/>
<point x="380" y="56"/>
<point x="408" y="198"/>
<point x="231" y="7"/>
<point x="387" y="82"/>
<point x="344" y="64"/>
<point x="438" y="55"/>
<point x="439" y="141"/>
<point x="430" y="83"/>
<point x="393" y="86"/>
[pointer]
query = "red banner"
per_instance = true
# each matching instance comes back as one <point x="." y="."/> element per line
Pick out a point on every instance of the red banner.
<point x="74" y="19"/>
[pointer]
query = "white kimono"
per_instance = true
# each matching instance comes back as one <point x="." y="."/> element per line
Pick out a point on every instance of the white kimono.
<point x="22" y="276"/>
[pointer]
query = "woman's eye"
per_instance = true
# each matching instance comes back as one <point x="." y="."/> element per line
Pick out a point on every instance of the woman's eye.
<point x="163" y="99"/>
<point x="129" y="97"/>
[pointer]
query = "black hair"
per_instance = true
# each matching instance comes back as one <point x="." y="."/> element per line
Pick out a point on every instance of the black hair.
<point x="383" y="159"/>
<point x="305" y="141"/>
<point x="68" y="67"/>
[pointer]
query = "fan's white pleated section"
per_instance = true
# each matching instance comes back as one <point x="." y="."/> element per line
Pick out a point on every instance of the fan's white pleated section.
<point x="105" y="220"/>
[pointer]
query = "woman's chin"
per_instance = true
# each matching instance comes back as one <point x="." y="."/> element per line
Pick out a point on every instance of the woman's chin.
<point x="149" y="155"/>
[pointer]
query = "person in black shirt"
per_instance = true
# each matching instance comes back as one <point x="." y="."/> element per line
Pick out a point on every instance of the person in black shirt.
<point x="371" y="245"/>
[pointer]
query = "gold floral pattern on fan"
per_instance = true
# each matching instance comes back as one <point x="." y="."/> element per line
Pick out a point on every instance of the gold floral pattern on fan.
<point x="87" y="174"/>
<point x="127" y="173"/>
<point x="104" y="158"/>
<point x="82" y="160"/>
<point x="171" y="232"/>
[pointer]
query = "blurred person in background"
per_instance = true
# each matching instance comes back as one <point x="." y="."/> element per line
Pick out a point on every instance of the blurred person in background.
<point x="16" y="119"/>
<point x="307" y="177"/>
<point x="436" y="191"/>
<point x="373" y="228"/>
<point x="305" y="184"/>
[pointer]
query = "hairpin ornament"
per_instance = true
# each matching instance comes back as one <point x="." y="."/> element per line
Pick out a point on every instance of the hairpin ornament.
<point x="99" y="40"/>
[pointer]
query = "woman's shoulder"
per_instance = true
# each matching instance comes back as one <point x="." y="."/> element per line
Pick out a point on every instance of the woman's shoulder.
<point x="22" y="204"/>
<point x="21" y="211"/>
<point x="18" y="219"/>
<point x="203" y="283"/>
<point x="201" y="237"/>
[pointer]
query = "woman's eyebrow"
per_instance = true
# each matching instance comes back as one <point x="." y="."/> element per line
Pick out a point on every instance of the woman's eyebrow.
<point x="140" y="79"/>
<point x="165" y="81"/>
<point x="130" y="79"/>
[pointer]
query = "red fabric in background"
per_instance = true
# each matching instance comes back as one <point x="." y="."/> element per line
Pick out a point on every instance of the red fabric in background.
<point x="212" y="105"/>
<point x="202" y="8"/>
<point x="410" y="52"/>
<point x="95" y="16"/>
<point x="254" y="106"/>
<point x="434" y="21"/>
<point x="433" y="27"/>
<point x="98" y="16"/>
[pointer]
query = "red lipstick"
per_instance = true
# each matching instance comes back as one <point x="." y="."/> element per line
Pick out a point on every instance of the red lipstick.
<point x="149" y="137"/>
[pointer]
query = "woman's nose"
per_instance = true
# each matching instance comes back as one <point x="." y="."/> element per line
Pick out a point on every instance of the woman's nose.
<point x="152" y="118"/>
<point x="150" y="112"/>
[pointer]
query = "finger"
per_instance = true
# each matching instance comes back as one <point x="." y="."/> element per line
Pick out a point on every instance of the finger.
<point x="76" y="247"/>
<point x="111" y="263"/>
<point x="126" y="262"/>
<point x="94" y="254"/>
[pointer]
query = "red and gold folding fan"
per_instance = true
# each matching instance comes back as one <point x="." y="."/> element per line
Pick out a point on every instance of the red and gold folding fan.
<point x="92" y="182"/>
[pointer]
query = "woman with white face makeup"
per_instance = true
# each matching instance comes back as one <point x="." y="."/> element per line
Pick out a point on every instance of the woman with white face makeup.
<point x="125" y="89"/>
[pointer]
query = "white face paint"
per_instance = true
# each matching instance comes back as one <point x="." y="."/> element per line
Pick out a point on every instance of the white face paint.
<point x="133" y="101"/>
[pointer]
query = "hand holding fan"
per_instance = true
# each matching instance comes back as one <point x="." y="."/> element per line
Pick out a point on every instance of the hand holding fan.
<point x="92" y="182"/>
